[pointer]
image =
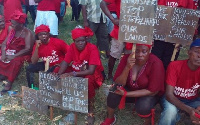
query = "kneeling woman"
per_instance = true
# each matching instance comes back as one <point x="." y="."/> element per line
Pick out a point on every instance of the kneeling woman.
<point x="142" y="79"/>
<point x="86" y="63"/>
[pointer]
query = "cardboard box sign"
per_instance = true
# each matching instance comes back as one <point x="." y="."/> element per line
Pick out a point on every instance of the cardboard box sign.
<point x="143" y="21"/>
<point x="31" y="101"/>
<point x="137" y="20"/>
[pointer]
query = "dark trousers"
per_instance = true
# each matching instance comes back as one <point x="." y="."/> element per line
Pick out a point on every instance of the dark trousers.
<point x="33" y="11"/>
<point x="79" y="10"/>
<point x="31" y="69"/>
<point x="164" y="51"/>
<point x="74" y="11"/>
<point x="143" y="105"/>
<point x="101" y="32"/>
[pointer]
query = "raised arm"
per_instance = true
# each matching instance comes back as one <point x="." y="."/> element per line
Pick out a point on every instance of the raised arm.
<point x="84" y="13"/>
<point x="29" y="42"/>
<point x="104" y="8"/>
<point x="35" y="56"/>
<point x="126" y="65"/>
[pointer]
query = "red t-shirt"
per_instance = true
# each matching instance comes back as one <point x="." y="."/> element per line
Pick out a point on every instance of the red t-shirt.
<point x="57" y="6"/>
<point x="55" y="51"/>
<point x="151" y="76"/>
<point x="90" y="55"/>
<point x="189" y="4"/>
<point x="112" y="7"/>
<point x="46" y="5"/>
<point x="115" y="30"/>
<point x="186" y="82"/>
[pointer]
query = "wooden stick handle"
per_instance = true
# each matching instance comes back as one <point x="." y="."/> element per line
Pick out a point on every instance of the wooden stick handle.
<point x="75" y="118"/>
<point x="46" y="65"/>
<point x="174" y="52"/>
<point x="51" y="112"/>
<point x="133" y="49"/>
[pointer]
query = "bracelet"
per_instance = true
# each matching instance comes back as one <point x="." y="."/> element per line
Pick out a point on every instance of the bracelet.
<point x="74" y="73"/>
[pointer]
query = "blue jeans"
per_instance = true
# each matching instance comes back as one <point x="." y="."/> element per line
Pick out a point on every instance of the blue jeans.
<point x="170" y="115"/>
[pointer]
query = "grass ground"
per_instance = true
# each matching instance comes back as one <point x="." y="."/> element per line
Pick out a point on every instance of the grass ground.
<point x="13" y="113"/>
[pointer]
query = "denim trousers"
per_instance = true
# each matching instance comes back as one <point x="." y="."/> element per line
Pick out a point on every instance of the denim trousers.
<point x="170" y="114"/>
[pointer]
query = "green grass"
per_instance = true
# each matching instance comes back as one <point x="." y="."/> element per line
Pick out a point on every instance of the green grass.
<point x="13" y="113"/>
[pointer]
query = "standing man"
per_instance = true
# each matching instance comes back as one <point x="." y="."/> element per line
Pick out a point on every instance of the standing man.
<point x="33" y="9"/>
<point x="96" y="20"/>
<point x="116" y="45"/>
<point x="46" y="15"/>
<point x="183" y="88"/>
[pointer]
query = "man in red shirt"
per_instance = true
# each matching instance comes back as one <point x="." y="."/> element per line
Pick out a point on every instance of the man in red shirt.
<point x="46" y="14"/>
<point x="46" y="47"/>
<point x="183" y="88"/>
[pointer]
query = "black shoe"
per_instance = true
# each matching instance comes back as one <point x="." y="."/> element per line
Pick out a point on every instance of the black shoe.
<point x="2" y="77"/>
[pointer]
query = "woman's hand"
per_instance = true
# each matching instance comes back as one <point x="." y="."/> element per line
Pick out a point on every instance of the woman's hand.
<point x="130" y="61"/>
<point x="38" y="43"/>
<point x="193" y="118"/>
<point x="119" y="91"/>
<point x="10" y="57"/>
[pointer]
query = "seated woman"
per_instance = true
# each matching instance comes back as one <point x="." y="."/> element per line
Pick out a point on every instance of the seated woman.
<point x="86" y="63"/>
<point x="142" y="79"/>
<point x="46" y="47"/>
<point x="16" y="48"/>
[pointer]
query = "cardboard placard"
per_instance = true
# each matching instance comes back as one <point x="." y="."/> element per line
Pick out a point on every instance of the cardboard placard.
<point x="176" y="25"/>
<point x="31" y="100"/>
<point x="137" y="20"/>
<point x="163" y="15"/>
<point x="182" y="26"/>
<point x="50" y="89"/>
<point x="75" y="94"/>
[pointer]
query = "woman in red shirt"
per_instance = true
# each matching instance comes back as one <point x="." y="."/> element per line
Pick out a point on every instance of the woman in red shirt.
<point x="86" y="63"/>
<point x="142" y="79"/>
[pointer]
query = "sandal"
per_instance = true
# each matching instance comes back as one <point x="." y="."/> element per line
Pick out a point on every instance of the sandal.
<point x="90" y="119"/>
<point x="7" y="87"/>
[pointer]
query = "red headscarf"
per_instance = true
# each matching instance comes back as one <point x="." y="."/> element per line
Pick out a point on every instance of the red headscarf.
<point x="130" y="45"/>
<point x="42" y="28"/>
<point x="79" y="32"/>
<point x="19" y="16"/>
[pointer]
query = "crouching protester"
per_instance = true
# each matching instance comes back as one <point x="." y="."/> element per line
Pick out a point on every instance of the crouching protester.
<point x="142" y="81"/>
<point x="45" y="47"/>
<point x="15" y="49"/>
<point x="183" y="88"/>
<point x="86" y="63"/>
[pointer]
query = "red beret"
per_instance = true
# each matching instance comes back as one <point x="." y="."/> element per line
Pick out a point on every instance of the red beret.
<point x="130" y="45"/>
<point x="19" y="16"/>
<point x="42" y="28"/>
<point x="79" y="32"/>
